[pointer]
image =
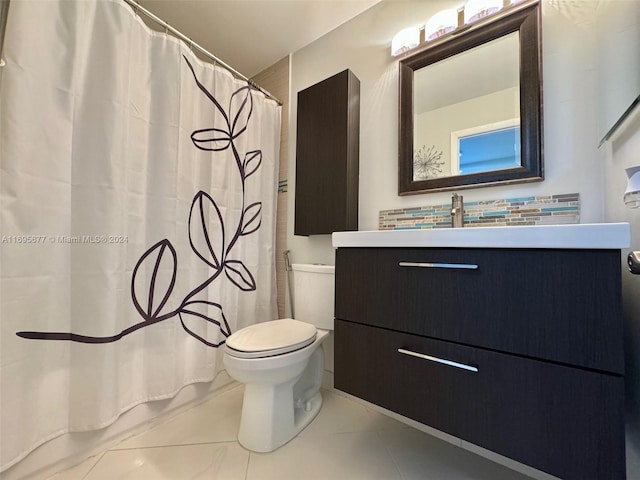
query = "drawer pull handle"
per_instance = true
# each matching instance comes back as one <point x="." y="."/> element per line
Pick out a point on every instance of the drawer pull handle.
<point x="438" y="360"/>
<point x="464" y="266"/>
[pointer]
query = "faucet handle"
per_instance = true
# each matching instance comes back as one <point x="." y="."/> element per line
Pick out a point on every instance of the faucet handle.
<point x="457" y="211"/>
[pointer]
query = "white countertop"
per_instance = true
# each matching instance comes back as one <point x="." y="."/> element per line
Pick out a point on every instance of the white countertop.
<point x="574" y="236"/>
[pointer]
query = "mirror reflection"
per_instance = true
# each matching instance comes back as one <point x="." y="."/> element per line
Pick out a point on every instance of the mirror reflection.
<point x="467" y="112"/>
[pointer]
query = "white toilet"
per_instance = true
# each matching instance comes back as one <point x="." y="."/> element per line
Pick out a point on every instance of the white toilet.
<point x="281" y="363"/>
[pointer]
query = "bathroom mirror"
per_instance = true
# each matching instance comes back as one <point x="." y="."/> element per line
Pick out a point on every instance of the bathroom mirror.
<point x="470" y="106"/>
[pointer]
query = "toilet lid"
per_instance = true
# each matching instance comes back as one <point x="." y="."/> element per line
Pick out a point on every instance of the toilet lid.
<point x="271" y="338"/>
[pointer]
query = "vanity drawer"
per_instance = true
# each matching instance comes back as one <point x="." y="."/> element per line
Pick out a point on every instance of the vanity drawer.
<point x="559" y="305"/>
<point x="562" y="420"/>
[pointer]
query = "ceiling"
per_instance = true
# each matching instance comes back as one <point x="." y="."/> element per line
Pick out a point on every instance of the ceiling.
<point x="251" y="35"/>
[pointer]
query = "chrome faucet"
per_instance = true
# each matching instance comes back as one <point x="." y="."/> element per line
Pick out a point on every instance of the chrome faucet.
<point x="457" y="211"/>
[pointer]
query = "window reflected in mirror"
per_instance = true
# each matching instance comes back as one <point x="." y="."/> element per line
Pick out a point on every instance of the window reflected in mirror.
<point x="486" y="148"/>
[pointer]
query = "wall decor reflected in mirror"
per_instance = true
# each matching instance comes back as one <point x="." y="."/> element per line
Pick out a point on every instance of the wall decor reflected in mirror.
<point x="470" y="107"/>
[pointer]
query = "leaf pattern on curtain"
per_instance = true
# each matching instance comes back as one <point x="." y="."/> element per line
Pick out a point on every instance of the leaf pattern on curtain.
<point x="207" y="237"/>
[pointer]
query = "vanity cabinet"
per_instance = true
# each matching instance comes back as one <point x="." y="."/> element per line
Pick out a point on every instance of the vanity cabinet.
<point x="327" y="156"/>
<point x="519" y="351"/>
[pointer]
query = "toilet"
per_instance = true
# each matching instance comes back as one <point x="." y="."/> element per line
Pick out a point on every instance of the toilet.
<point x="281" y="363"/>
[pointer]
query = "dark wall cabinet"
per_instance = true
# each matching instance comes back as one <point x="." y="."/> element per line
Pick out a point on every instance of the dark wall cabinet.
<point x="327" y="149"/>
<point x="522" y="355"/>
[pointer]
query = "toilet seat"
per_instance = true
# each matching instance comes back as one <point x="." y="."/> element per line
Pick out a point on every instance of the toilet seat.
<point x="269" y="339"/>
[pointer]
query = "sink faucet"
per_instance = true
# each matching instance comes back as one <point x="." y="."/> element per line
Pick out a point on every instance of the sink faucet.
<point x="457" y="211"/>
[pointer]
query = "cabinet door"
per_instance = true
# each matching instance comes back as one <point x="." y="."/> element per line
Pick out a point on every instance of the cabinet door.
<point x="559" y="305"/>
<point x="327" y="146"/>
<point x="562" y="420"/>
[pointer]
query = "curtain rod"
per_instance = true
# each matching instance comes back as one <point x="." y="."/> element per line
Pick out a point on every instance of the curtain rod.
<point x="4" y="12"/>
<point x="139" y="8"/>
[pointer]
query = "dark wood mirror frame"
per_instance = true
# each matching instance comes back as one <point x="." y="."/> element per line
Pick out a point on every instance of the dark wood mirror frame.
<point x="526" y="21"/>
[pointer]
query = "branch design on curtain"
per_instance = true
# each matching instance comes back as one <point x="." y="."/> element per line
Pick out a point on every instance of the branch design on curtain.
<point x="207" y="239"/>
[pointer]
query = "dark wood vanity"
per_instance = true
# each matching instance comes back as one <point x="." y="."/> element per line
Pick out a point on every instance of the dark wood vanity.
<point x="517" y="350"/>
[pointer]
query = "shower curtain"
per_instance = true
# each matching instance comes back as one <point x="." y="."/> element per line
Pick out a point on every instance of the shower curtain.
<point x="137" y="205"/>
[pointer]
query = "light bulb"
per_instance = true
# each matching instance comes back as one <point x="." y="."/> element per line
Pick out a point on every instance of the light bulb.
<point x="440" y="24"/>
<point x="405" y="40"/>
<point x="476" y="9"/>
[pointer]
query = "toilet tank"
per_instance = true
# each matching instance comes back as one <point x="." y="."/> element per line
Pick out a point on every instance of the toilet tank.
<point x="313" y="294"/>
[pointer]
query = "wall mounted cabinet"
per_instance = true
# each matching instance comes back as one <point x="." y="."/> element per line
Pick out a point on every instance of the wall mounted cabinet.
<point x="532" y="343"/>
<point x="327" y="149"/>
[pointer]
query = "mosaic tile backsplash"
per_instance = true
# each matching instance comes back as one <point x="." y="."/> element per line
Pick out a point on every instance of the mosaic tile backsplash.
<point x="539" y="210"/>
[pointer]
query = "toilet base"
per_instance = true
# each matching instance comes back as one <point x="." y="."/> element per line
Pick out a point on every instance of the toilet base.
<point x="272" y="414"/>
<point x="259" y="432"/>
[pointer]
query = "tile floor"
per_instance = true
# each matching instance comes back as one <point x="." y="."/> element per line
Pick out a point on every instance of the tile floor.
<point x="347" y="441"/>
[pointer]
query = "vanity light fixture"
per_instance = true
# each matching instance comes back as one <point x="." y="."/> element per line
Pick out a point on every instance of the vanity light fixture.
<point x="440" y="24"/>
<point x="405" y="40"/>
<point x="446" y="21"/>
<point x="474" y="10"/>
<point x="632" y="193"/>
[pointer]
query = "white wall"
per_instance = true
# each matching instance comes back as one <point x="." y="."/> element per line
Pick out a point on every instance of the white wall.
<point x="363" y="45"/>
<point x="622" y="153"/>
<point x="618" y="51"/>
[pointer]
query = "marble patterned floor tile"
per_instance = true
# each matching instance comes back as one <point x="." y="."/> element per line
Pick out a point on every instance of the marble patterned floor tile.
<point x="79" y="471"/>
<point x="420" y="456"/>
<point x="220" y="461"/>
<point x="340" y="415"/>
<point x="353" y="456"/>
<point x="216" y="420"/>
<point x="347" y="440"/>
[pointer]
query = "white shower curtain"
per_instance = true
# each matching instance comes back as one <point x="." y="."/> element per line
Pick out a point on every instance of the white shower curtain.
<point x="137" y="194"/>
